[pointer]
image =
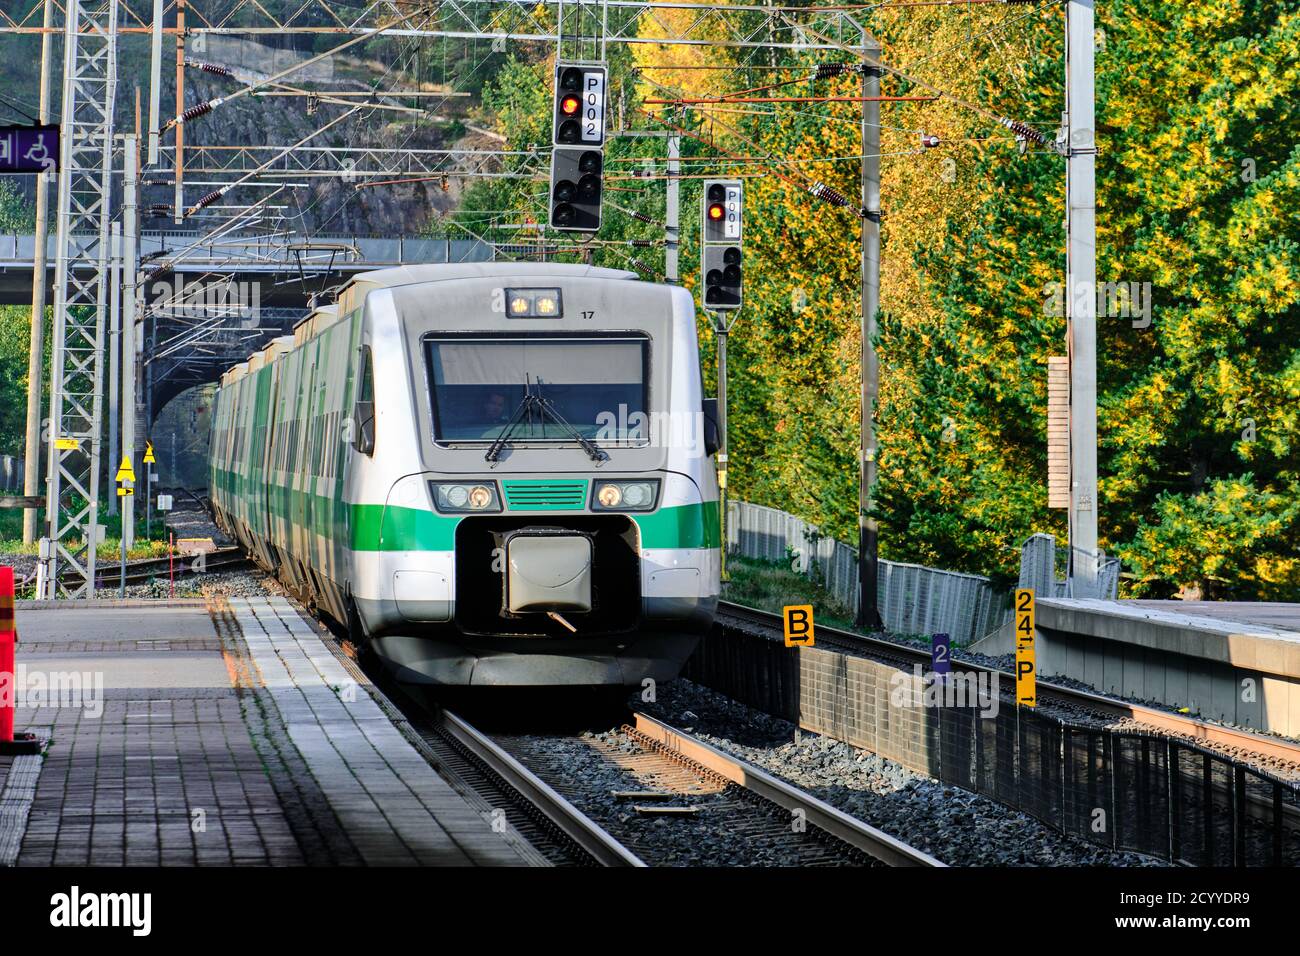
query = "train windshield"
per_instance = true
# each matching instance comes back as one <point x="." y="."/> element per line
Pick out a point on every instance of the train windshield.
<point x="596" y="385"/>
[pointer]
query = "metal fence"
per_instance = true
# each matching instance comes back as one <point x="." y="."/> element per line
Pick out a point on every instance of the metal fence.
<point x="11" y="475"/>
<point x="1124" y="791"/>
<point x="1120" y="790"/>
<point x="913" y="599"/>
<point x="1040" y="560"/>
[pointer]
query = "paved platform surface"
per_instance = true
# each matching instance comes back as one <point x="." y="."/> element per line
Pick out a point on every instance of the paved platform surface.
<point x="1232" y="660"/>
<point x="188" y="733"/>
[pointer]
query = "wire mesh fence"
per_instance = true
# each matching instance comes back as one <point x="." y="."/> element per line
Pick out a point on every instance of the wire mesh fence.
<point x="1122" y="790"/>
<point x="913" y="599"/>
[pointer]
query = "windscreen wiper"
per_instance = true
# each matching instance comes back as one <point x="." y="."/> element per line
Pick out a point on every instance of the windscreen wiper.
<point x="594" y="452"/>
<point x="503" y="437"/>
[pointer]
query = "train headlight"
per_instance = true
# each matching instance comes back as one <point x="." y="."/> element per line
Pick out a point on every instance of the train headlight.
<point x="535" y="303"/>
<point x="465" y="497"/>
<point x="480" y="497"/>
<point x="637" y="495"/>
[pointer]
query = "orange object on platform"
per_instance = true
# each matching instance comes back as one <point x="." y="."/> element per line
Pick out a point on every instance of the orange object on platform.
<point x="8" y="637"/>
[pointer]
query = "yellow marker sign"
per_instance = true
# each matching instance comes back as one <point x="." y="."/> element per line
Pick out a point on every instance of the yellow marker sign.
<point x="123" y="491"/>
<point x="124" y="471"/>
<point x="149" y="459"/>
<point x="67" y="444"/>
<point x="798" y="625"/>
<point x="1026" y="676"/>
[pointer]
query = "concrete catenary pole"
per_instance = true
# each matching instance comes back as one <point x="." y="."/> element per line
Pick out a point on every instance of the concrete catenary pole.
<point x="868" y="603"/>
<point x="672" y="217"/>
<point x="36" y="351"/>
<point x="130" y="300"/>
<point x="114" y="352"/>
<point x="1081" y="281"/>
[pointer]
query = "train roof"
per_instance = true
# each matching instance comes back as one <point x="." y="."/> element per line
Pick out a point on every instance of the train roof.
<point x="366" y="282"/>
<point x="445" y="271"/>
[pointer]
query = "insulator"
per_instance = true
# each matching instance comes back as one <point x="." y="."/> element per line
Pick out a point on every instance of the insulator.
<point x="829" y="194"/>
<point x="640" y="216"/>
<point x="1023" y="130"/>
<point x="158" y="273"/>
<point x="208" y="200"/>
<point x="824" y="71"/>
<point x="638" y="264"/>
<point x="194" y="112"/>
<point x="210" y="68"/>
<point x="641" y="243"/>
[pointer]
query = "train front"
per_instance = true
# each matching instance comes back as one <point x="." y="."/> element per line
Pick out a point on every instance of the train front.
<point x="551" y="508"/>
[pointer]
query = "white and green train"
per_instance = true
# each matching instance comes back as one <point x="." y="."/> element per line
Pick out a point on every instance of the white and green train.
<point x="494" y="473"/>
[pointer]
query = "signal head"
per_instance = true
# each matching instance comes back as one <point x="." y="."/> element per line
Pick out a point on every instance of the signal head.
<point x="589" y="162"/>
<point x="571" y="79"/>
<point x="717" y="193"/>
<point x="716" y="212"/>
<point x="570" y="104"/>
<point x="732" y="256"/>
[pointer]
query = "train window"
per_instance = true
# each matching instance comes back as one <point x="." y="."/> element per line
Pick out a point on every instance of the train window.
<point x="363" y="415"/>
<point x="597" y="385"/>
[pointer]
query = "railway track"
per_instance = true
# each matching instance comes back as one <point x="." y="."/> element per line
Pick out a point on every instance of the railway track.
<point x="672" y="799"/>
<point x="689" y="786"/>
<point x="180" y="566"/>
<point x="1274" y="754"/>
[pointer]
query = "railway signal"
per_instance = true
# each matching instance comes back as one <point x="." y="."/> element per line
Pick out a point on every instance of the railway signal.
<point x="724" y="201"/>
<point x="578" y="134"/>
<point x="576" y="187"/>
<point x="722" y="277"/>
<point x="579" y="105"/>
<point x="721" y="231"/>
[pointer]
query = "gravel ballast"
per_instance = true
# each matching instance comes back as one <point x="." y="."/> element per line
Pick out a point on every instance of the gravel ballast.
<point x="956" y="826"/>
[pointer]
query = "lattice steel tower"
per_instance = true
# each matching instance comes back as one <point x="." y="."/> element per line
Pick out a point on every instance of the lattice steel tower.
<point x="80" y="295"/>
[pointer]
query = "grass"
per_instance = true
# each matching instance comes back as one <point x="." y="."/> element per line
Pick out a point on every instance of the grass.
<point x="770" y="585"/>
<point x="11" y="536"/>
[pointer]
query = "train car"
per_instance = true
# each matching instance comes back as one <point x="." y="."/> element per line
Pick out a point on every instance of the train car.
<point x="493" y="473"/>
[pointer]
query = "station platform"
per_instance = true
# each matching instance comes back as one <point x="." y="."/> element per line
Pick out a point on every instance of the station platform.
<point x="219" y="732"/>
<point x="1237" y="661"/>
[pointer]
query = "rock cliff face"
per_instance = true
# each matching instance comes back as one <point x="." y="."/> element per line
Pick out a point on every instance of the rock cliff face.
<point x="316" y="203"/>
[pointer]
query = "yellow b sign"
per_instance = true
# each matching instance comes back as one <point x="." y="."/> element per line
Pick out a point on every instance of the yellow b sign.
<point x="1026" y="676"/>
<point x="149" y="459"/>
<point x="798" y="625"/>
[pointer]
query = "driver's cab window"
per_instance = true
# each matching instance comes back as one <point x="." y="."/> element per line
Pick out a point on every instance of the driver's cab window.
<point x="364" y="414"/>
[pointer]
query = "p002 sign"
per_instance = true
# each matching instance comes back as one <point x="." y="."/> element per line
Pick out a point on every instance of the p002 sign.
<point x="589" y="83"/>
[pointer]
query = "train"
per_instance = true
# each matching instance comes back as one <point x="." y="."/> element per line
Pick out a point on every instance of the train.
<point x="490" y="474"/>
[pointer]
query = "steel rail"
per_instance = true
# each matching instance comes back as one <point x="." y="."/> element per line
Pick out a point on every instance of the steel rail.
<point x="867" y="839"/>
<point x="571" y="821"/>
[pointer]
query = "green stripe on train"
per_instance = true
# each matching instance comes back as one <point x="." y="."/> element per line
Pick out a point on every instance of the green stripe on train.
<point x="418" y="529"/>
